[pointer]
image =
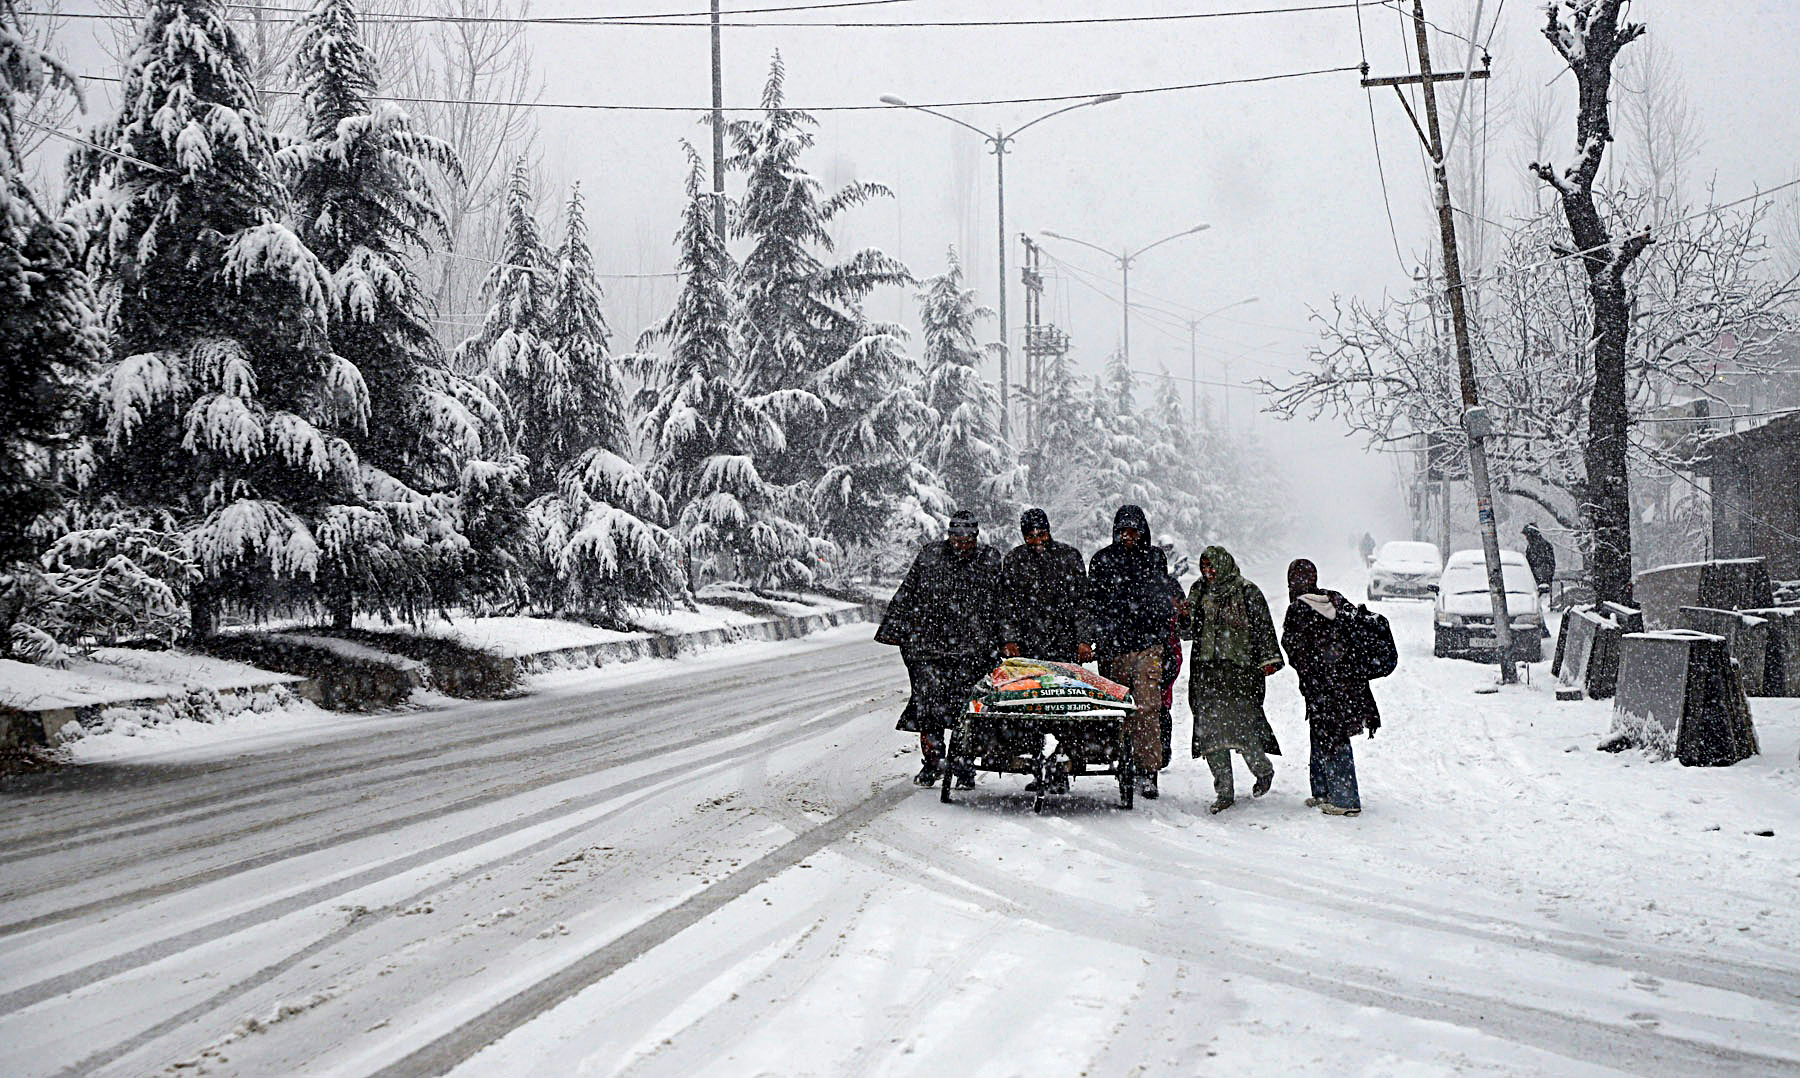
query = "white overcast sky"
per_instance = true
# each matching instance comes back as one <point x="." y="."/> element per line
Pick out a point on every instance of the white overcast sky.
<point x="1284" y="172"/>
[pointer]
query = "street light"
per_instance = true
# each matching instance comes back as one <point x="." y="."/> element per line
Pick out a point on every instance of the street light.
<point x="997" y="144"/>
<point x="1124" y="260"/>
<point x="1194" y="360"/>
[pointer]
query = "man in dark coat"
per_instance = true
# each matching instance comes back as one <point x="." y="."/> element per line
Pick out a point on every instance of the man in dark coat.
<point x="1043" y="597"/>
<point x="943" y="619"/>
<point x="1132" y="598"/>
<point x="1541" y="556"/>
<point x="1339" y="704"/>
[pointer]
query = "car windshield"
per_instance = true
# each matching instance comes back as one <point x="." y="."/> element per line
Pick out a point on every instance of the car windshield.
<point x="1472" y="580"/>
<point x="1409" y="552"/>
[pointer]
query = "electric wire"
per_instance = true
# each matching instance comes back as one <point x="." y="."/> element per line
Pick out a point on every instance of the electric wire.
<point x="1375" y="136"/>
<point x="674" y="21"/>
<point x="1043" y="99"/>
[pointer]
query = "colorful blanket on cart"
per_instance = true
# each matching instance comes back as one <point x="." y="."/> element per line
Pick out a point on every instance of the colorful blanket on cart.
<point x="1039" y="686"/>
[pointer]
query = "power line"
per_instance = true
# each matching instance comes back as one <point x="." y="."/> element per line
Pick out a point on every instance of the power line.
<point x="79" y="141"/>
<point x="672" y="20"/>
<point x="1049" y="98"/>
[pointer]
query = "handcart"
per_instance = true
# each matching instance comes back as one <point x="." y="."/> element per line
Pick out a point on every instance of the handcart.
<point x="1053" y="721"/>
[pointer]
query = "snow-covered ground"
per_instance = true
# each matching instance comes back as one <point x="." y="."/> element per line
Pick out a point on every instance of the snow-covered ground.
<point x="715" y="866"/>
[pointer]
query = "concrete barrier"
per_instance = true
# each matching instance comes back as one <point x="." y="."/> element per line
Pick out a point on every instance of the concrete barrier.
<point x="1781" y="665"/>
<point x="368" y="679"/>
<point x="677" y="644"/>
<point x="1680" y="695"/>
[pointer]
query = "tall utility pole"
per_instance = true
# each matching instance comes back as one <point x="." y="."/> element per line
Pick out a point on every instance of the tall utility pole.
<point x="998" y="144"/>
<point x="1475" y="418"/>
<point x="718" y="127"/>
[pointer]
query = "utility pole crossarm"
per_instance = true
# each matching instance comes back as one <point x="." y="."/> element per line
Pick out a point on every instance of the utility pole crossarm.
<point x="1416" y="80"/>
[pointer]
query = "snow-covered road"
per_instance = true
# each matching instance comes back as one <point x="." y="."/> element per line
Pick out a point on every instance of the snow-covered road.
<point x="718" y="867"/>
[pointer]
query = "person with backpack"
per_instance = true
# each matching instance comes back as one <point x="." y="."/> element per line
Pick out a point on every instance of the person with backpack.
<point x="1335" y="651"/>
<point x="1234" y="650"/>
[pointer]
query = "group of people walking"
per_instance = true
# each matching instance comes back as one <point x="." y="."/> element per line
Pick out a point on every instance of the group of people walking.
<point x="963" y="606"/>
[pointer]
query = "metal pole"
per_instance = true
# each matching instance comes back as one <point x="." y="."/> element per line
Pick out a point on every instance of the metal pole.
<point x="1193" y="374"/>
<point x="718" y="127"/>
<point x="1475" y="420"/>
<point x="1125" y="283"/>
<point x="999" y="140"/>
<point x="1225" y="393"/>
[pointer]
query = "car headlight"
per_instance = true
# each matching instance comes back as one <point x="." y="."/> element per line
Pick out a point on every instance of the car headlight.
<point x="1450" y="621"/>
<point x="1528" y="621"/>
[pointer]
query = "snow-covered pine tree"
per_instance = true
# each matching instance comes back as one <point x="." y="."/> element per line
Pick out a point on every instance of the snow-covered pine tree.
<point x="1062" y="459"/>
<point x="223" y="398"/>
<point x="1179" y="469"/>
<point x="875" y="489"/>
<point x="798" y="314"/>
<point x="360" y="176"/>
<point x="513" y="358"/>
<point x="705" y="432"/>
<point x="595" y="545"/>
<point x="963" y="443"/>
<point x="1122" y="469"/>
<point x="50" y="337"/>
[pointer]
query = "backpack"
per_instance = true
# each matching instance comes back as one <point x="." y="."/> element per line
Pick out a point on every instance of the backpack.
<point x="1368" y="643"/>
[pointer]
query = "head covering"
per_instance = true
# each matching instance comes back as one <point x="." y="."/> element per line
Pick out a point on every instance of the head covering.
<point x="1303" y="578"/>
<point x="1130" y="516"/>
<point x="1530" y="529"/>
<point x="1033" y="519"/>
<point x="1224" y="613"/>
<point x="963" y="522"/>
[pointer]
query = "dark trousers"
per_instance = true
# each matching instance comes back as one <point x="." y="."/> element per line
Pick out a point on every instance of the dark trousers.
<point x="941" y="688"/>
<point x="1332" y="770"/>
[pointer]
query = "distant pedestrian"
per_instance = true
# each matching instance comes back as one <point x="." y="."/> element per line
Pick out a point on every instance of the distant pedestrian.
<point x="1541" y="556"/>
<point x="1366" y="547"/>
<point x="1339" y="704"/>
<point x="1132" y="598"/>
<point x="943" y="619"/>
<point x="1234" y="650"/>
<point x="1043" y="597"/>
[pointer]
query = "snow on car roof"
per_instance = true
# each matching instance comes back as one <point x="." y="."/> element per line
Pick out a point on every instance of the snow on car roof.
<point x="1476" y="557"/>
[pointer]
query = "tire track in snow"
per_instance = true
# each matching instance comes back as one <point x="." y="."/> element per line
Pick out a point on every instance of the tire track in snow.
<point x="585" y="765"/>
<point x="1601" y="1043"/>
<point x="107" y="799"/>
<point x="471" y="1036"/>
<point x="1261" y="877"/>
<point x="39" y="991"/>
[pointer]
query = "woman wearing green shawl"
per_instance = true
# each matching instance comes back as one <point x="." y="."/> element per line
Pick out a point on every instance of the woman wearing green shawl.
<point x="1234" y="650"/>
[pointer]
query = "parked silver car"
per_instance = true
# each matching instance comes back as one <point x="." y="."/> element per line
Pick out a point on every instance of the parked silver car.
<point x="1404" y="568"/>
<point x="1463" y="614"/>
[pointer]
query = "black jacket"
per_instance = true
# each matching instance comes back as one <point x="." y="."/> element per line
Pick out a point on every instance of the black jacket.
<point x="1130" y="593"/>
<point x="1338" y="701"/>
<point x="1541" y="556"/>
<point x="946" y="605"/>
<point x="1044" y="601"/>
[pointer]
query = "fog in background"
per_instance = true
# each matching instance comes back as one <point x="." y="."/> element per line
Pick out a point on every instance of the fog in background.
<point x="1284" y="171"/>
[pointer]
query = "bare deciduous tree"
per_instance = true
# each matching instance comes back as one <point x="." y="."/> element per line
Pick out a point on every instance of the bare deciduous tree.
<point x="1588" y="34"/>
<point x="1387" y="371"/>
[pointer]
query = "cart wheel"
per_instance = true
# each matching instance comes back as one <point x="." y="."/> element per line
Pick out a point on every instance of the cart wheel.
<point x="1127" y="772"/>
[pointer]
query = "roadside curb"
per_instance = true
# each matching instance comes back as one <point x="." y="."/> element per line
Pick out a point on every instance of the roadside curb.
<point x="20" y="727"/>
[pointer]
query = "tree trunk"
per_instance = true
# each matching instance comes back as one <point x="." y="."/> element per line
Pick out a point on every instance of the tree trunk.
<point x="1589" y="36"/>
<point x="203" y="612"/>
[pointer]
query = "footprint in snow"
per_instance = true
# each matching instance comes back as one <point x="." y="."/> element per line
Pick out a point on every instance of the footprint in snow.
<point x="1644" y="1019"/>
<point x="1646" y="982"/>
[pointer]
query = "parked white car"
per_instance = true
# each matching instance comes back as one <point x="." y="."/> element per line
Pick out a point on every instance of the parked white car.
<point x="1404" y="568"/>
<point x="1464" y="612"/>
